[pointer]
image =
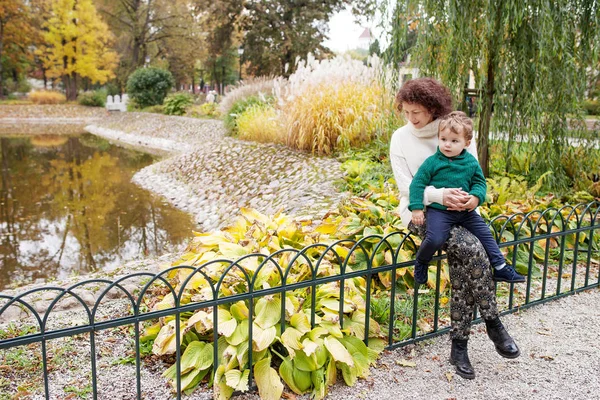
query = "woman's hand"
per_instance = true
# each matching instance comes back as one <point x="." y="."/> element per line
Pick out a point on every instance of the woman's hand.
<point x="456" y="199"/>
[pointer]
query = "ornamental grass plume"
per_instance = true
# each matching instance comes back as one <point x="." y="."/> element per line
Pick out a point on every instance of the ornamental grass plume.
<point x="253" y="87"/>
<point x="337" y="103"/>
<point x="47" y="97"/>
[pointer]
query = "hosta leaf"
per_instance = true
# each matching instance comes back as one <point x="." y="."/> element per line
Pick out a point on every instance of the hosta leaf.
<point x="316" y="333"/>
<point x="232" y="251"/>
<point x="188" y="386"/>
<point x="349" y="374"/>
<point x="167" y="302"/>
<point x="327" y="229"/>
<point x="240" y="334"/>
<point x="189" y="380"/>
<point x="304" y="362"/>
<point x="291" y="339"/>
<point x="331" y="373"/>
<point x="301" y="322"/>
<point x="201" y="321"/>
<point x="321" y="355"/>
<point x="318" y="380"/>
<point x="237" y="380"/>
<point x="239" y="311"/>
<point x="308" y="346"/>
<point x="221" y="390"/>
<point x="333" y="329"/>
<point x="262" y="338"/>
<point x="267" y="380"/>
<point x="190" y="355"/>
<point x="227" y="324"/>
<point x="268" y="312"/>
<point x="302" y="379"/>
<point x="165" y="340"/>
<point x="338" y="351"/>
<point x="286" y="370"/>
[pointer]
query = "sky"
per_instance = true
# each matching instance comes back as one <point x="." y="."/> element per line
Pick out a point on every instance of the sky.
<point x="344" y="31"/>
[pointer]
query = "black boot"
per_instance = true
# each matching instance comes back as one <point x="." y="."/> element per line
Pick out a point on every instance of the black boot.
<point x="460" y="359"/>
<point x="505" y="345"/>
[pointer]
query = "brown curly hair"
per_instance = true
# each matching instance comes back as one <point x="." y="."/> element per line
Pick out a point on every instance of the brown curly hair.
<point x="429" y="93"/>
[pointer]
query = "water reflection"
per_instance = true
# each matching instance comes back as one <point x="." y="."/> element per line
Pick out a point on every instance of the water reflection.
<point x="67" y="206"/>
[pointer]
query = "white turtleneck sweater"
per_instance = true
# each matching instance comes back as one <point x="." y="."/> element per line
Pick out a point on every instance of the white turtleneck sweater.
<point x="409" y="147"/>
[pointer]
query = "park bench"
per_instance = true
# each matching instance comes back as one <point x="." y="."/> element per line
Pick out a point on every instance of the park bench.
<point x="117" y="103"/>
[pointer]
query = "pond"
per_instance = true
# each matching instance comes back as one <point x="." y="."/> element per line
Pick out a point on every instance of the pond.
<point x="68" y="206"/>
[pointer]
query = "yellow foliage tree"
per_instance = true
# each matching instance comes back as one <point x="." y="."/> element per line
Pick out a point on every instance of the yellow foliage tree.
<point x="77" y="45"/>
<point x="15" y="34"/>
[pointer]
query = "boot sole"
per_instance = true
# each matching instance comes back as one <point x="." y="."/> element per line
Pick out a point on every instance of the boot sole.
<point x="462" y="374"/>
<point x="509" y="355"/>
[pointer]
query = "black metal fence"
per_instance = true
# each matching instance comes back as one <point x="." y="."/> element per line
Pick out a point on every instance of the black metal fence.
<point x="558" y="248"/>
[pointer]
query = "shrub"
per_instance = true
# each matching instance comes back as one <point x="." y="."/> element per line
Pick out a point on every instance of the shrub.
<point x="97" y="98"/>
<point x="260" y="122"/>
<point x="592" y="107"/>
<point x="238" y="109"/>
<point x="47" y="97"/>
<point x="157" y="109"/>
<point x="206" y="110"/>
<point x="149" y="86"/>
<point x="176" y="104"/>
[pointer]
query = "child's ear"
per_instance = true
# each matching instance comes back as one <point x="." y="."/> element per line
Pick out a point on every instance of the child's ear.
<point x="468" y="143"/>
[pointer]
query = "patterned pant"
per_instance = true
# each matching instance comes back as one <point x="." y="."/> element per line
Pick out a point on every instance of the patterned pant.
<point x="470" y="277"/>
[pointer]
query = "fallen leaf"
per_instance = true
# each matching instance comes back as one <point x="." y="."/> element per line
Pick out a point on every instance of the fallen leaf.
<point x="547" y="358"/>
<point x="287" y="395"/>
<point x="405" y="363"/>
<point x="449" y="376"/>
<point x="544" y="333"/>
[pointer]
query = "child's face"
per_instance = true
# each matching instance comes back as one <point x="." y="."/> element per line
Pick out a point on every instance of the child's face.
<point x="452" y="144"/>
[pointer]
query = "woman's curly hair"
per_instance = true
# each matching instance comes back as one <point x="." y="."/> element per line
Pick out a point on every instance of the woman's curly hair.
<point x="429" y="93"/>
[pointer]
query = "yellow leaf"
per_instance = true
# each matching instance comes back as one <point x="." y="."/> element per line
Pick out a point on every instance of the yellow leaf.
<point x="338" y="351"/>
<point x="267" y="380"/>
<point x="404" y="363"/>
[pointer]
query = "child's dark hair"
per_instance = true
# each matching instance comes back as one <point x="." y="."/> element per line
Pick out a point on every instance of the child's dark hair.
<point x="429" y="93"/>
<point x="459" y="123"/>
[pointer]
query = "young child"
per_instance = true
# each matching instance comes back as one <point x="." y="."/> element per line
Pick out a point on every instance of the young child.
<point x="453" y="167"/>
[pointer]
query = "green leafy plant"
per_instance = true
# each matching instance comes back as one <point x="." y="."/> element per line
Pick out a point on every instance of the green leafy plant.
<point x="97" y="98"/>
<point x="149" y="86"/>
<point x="238" y="108"/>
<point x="177" y="103"/>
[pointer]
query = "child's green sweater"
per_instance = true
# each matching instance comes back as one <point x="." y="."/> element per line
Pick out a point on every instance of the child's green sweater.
<point x="439" y="171"/>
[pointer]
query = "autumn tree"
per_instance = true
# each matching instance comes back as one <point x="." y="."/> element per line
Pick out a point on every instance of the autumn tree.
<point x="529" y="59"/>
<point x="221" y="22"/>
<point x="142" y="27"/>
<point x="15" y="36"/>
<point x="277" y="32"/>
<point x="77" y="45"/>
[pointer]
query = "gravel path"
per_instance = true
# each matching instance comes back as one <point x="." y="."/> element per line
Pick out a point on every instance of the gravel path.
<point x="560" y="359"/>
<point x="212" y="176"/>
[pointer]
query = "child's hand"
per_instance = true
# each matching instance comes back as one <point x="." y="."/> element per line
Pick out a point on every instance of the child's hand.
<point x="472" y="203"/>
<point x="418" y="217"/>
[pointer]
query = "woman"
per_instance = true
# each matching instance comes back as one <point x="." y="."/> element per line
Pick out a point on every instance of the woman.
<point x="423" y="101"/>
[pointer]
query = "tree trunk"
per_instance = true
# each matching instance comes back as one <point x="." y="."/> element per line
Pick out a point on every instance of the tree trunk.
<point x="488" y="94"/>
<point x="1" y="48"/>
